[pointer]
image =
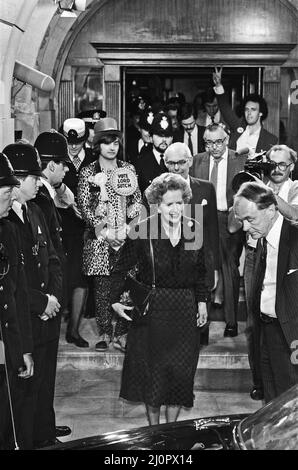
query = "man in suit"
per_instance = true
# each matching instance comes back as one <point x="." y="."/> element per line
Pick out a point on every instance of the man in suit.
<point x="190" y="133"/>
<point x="219" y="165"/>
<point x="44" y="277"/>
<point x="73" y="228"/>
<point x="151" y="163"/>
<point x="286" y="194"/>
<point x="247" y="131"/>
<point x="178" y="160"/>
<point x="274" y="285"/>
<point x="136" y="146"/>
<point x="15" y="321"/>
<point x="210" y="112"/>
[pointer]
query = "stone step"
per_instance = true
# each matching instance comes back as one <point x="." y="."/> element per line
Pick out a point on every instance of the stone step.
<point x="220" y="354"/>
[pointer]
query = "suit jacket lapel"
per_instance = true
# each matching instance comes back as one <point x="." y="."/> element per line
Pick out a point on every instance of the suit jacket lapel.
<point x="205" y="165"/>
<point x="283" y="254"/>
<point x="230" y="173"/>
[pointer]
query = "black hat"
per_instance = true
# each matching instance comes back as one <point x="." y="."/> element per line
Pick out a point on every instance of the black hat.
<point x="91" y="116"/>
<point x="7" y="177"/>
<point x="52" y="146"/>
<point x="146" y="119"/>
<point x="162" y="125"/>
<point x="75" y="130"/>
<point x="24" y="159"/>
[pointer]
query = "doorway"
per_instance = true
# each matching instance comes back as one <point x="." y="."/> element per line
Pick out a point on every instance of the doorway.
<point x="157" y="85"/>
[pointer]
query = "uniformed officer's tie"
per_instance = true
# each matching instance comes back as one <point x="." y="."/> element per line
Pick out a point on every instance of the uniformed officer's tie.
<point x="162" y="164"/>
<point x="25" y="216"/>
<point x="261" y="256"/>
<point x="214" y="172"/>
<point x="190" y="146"/>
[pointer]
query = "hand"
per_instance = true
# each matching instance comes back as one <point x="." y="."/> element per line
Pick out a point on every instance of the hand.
<point x="260" y="182"/>
<point x="217" y="76"/>
<point x="116" y="237"/>
<point x="52" y="307"/>
<point x="76" y="210"/>
<point x="120" y="310"/>
<point x="202" y="315"/>
<point x="27" y="370"/>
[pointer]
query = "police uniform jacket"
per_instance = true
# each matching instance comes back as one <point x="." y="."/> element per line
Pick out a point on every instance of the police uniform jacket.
<point x="14" y="304"/>
<point x="43" y="271"/>
<point x="53" y="219"/>
<point x="147" y="168"/>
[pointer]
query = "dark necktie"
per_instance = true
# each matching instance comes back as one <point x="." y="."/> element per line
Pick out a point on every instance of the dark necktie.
<point x="261" y="256"/>
<point x="162" y="164"/>
<point x="25" y="216"/>
<point x="214" y="172"/>
<point x="190" y="146"/>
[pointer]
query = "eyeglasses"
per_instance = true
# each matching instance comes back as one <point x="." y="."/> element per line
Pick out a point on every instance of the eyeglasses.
<point x="282" y="166"/>
<point x="179" y="163"/>
<point x="216" y="143"/>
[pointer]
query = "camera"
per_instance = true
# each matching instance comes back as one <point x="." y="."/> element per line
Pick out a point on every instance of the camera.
<point x="257" y="167"/>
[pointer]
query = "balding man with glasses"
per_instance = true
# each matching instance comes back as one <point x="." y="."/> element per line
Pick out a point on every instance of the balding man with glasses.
<point x="218" y="164"/>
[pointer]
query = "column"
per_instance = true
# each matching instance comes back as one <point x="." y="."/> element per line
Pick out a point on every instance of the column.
<point x="112" y="92"/>
<point x="271" y="93"/>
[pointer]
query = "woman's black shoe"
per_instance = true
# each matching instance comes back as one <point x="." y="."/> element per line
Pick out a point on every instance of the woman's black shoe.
<point x="79" y="341"/>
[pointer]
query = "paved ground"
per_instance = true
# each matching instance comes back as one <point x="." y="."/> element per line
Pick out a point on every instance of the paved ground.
<point x="88" y="383"/>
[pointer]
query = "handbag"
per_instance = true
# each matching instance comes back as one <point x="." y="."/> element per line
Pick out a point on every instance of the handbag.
<point x="140" y="293"/>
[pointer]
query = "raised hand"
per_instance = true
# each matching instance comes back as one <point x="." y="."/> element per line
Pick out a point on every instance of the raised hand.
<point x="217" y="76"/>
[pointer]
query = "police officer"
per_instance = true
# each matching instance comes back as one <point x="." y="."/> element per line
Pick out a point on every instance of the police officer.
<point x="90" y="118"/>
<point x="73" y="228"/>
<point x="44" y="277"/>
<point x="53" y="152"/>
<point x="15" y="322"/>
<point x="142" y="141"/>
<point x="151" y="163"/>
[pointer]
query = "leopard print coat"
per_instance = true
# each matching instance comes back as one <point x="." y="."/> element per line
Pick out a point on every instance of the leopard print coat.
<point x="117" y="211"/>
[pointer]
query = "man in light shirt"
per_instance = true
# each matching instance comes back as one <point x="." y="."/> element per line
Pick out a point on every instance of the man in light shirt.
<point x="219" y="165"/>
<point x="256" y="207"/>
<point x="247" y="131"/>
<point x="286" y="193"/>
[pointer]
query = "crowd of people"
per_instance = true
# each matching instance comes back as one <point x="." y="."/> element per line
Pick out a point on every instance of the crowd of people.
<point x="80" y="213"/>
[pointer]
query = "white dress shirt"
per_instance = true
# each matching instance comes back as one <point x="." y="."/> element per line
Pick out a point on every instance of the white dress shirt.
<point x="81" y="156"/>
<point x="249" y="139"/>
<point x="216" y="119"/>
<point x="157" y="155"/>
<point x="17" y="208"/>
<point x="268" y="294"/>
<point x="221" y="190"/>
<point x="194" y="139"/>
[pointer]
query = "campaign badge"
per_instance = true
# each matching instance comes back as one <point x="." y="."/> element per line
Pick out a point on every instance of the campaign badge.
<point x="124" y="181"/>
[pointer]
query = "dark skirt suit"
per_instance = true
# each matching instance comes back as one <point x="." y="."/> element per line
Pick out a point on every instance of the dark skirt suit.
<point x="162" y="349"/>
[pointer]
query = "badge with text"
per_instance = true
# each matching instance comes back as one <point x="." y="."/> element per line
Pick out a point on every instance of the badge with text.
<point x="124" y="181"/>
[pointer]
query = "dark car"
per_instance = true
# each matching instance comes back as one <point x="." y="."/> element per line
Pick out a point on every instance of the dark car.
<point x="273" y="427"/>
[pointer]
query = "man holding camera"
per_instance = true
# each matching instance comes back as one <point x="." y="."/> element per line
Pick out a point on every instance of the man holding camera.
<point x="219" y="165"/>
<point x="282" y="160"/>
